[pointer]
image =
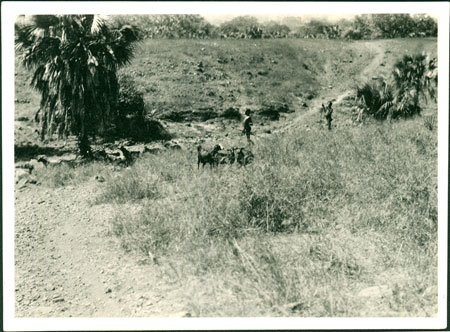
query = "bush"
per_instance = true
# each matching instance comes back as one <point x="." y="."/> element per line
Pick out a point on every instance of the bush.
<point x="131" y="100"/>
<point x="376" y="98"/>
<point x="430" y="122"/>
<point x="131" y="120"/>
<point x="241" y="27"/>
<point x="232" y="113"/>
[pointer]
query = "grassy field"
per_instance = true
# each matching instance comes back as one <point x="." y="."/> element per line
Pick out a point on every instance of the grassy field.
<point x="317" y="218"/>
<point x="340" y="223"/>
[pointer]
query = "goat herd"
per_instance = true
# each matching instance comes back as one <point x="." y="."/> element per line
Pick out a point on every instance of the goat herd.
<point x="217" y="156"/>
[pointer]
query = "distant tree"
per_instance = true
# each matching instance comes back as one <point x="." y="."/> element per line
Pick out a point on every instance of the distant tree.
<point x="393" y="25"/>
<point x="292" y="22"/>
<point x="319" y="29"/>
<point x="74" y="59"/>
<point x="242" y="27"/>
<point x="361" y="28"/>
<point x="275" y="30"/>
<point x="424" y="26"/>
<point x="168" y="26"/>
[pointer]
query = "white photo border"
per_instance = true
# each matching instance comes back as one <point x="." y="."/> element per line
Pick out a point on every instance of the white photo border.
<point x="9" y="12"/>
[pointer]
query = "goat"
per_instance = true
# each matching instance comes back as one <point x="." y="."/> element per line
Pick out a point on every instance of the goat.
<point x="227" y="157"/>
<point x="240" y="157"/>
<point x="232" y="155"/>
<point x="127" y="157"/>
<point x="208" y="157"/>
<point x="244" y="158"/>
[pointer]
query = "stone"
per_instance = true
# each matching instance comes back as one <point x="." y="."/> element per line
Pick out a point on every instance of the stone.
<point x="297" y="307"/>
<point x="36" y="164"/>
<point x="58" y="298"/>
<point x="21" y="173"/>
<point x="22" y="183"/>
<point x="99" y="178"/>
<point x="375" y="291"/>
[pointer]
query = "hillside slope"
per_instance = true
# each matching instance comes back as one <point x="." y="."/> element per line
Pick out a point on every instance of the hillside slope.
<point x="236" y="74"/>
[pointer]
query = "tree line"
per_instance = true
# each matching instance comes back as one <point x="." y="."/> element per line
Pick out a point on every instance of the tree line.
<point x="366" y="26"/>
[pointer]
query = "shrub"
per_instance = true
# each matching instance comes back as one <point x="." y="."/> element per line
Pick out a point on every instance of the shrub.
<point x="131" y="120"/>
<point x="376" y="98"/>
<point x="275" y="30"/>
<point x="131" y="100"/>
<point x="232" y="113"/>
<point x="430" y="122"/>
<point x="270" y="113"/>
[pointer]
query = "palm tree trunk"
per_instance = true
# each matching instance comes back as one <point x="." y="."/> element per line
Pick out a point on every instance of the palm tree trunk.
<point x="83" y="141"/>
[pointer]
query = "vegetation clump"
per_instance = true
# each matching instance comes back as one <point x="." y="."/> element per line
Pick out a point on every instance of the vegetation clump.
<point x="131" y="120"/>
<point x="413" y="77"/>
<point x="232" y="113"/>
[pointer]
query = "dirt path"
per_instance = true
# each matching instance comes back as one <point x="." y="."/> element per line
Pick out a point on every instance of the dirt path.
<point x="67" y="264"/>
<point x="367" y="73"/>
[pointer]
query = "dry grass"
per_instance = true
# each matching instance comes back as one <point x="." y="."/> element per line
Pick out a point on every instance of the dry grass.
<point x="316" y="218"/>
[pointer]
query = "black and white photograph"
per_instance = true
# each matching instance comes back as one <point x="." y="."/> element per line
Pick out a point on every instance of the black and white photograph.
<point x="242" y="165"/>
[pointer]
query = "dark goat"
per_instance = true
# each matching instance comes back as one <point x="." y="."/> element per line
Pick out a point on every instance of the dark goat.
<point x="208" y="157"/>
<point x="227" y="157"/>
<point x="244" y="158"/>
<point x="128" y="158"/>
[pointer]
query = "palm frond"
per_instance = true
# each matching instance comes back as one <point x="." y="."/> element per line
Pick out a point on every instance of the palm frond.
<point x="98" y="23"/>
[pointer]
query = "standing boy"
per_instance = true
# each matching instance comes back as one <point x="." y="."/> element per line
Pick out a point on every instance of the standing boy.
<point x="247" y="126"/>
<point x="328" y="113"/>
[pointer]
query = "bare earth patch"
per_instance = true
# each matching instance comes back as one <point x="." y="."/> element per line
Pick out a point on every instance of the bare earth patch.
<point x="67" y="264"/>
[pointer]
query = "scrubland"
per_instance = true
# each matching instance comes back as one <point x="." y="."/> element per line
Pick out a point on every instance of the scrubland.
<point x="322" y="223"/>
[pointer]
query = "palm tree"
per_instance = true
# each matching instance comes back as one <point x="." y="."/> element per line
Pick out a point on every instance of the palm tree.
<point x="414" y="76"/>
<point x="376" y="98"/>
<point x="74" y="59"/>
